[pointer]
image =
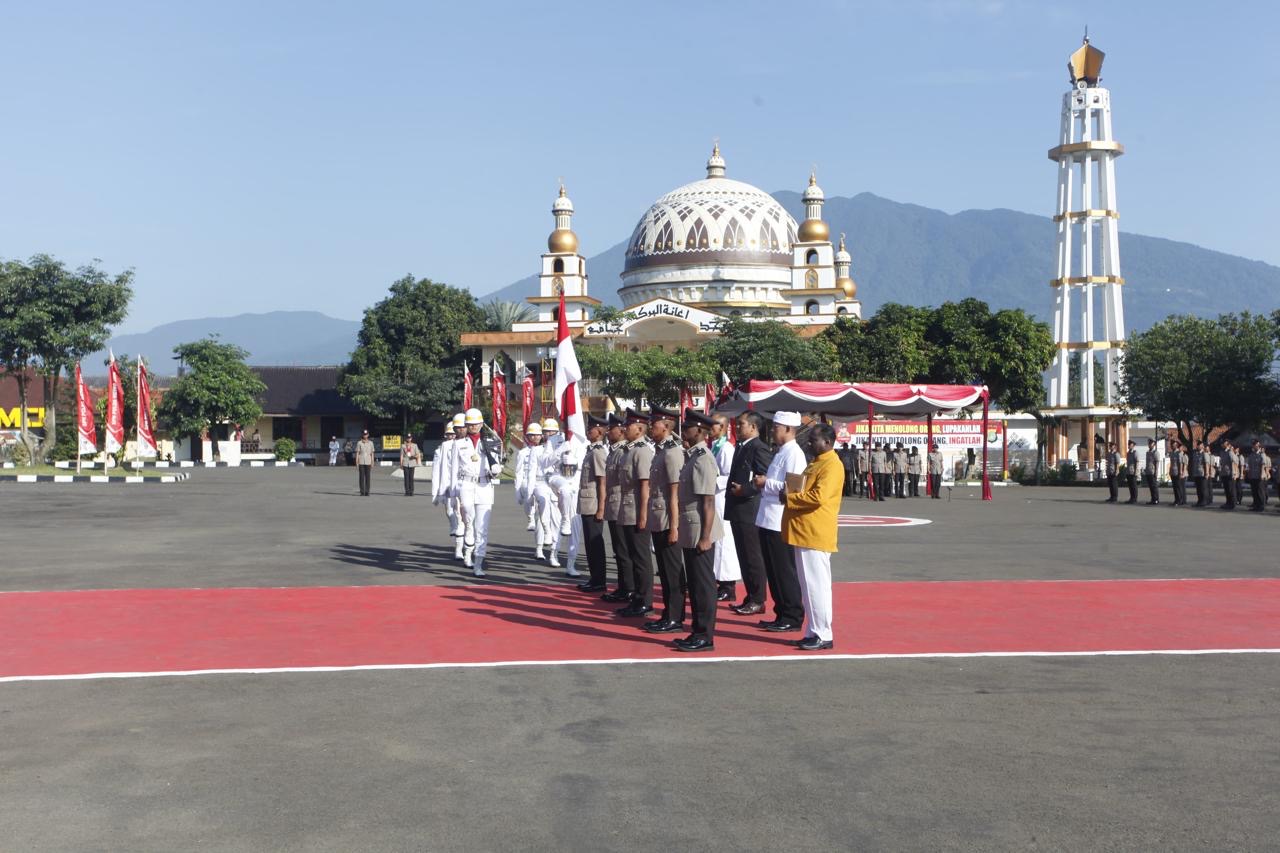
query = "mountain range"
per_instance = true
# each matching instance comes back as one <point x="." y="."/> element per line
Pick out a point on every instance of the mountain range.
<point x="901" y="253"/>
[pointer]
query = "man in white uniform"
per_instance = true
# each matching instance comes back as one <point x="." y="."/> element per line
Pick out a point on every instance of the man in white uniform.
<point x="525" y="472"/>
<point x="442" y="480"/>
<point x="779" y="559"/>
<point x="727" y="570"/>
<point x="547" y="465"/>
<point x="478" y="463"/>
<point x="565" y="482"/>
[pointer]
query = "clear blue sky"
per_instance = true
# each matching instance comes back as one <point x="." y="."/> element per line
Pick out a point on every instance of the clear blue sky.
<point x="258" y="156"/>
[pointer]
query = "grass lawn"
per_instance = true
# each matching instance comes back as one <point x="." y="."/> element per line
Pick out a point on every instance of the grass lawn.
<point x="114" y="473"/>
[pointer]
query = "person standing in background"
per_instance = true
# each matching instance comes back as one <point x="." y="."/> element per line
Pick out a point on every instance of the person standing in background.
<point x="935" y="472"/>
<point x="1195" y="470"/>
<point x="742" y="502"/>
<point x="1151" y="472"/>
<point x="335" y="447"/>
<point x="779" y="559"/>
<point x="1131" y="471"/>
<point x="1112" y="466"/>
<point x="900" y="466"/>
<point x="727" y="570"/>
<point x="591" y="504"/>
<point x="809" y="526"/>
<point x="364" y="461"/>
<point x="612" y="503"/>
<point x="913" y="472"/>
<point x="410" y="459"/>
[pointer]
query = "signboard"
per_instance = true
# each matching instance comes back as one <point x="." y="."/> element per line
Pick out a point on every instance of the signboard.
<point x="12" y="418"/>
<point x="949" y="434"/>
<point x="391" y="442"/>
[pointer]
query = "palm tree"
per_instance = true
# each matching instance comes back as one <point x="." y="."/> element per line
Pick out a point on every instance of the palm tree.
<point x="499" y="315"/>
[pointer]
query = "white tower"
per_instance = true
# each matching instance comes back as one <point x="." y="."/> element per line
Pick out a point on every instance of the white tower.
<point x="564" y="270"/>
<point x="1088" y="250"/>
<point x="818" y="285"/>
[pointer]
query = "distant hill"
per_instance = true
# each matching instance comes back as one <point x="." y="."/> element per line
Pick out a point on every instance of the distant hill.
<point x="920" y="256"/>
<point x="277" y="338"/>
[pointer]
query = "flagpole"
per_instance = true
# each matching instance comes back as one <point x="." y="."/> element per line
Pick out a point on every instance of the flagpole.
<point x="79" y="456"/>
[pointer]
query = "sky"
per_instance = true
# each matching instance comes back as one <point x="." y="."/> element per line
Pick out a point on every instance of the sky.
<point x="247" y="156"/>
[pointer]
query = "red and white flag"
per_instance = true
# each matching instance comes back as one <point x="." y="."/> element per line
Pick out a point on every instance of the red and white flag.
<point x="567" y="375"/>
<point x="146" y="429"/>
<point x="88" y="433"/>
<point x="526" y="402"/>
<point x="114" y="439"/>
<point x="708" y="398"/>
<point x="686" y="401"/>
<point x="466" y="387"/>
<point x="499" y="403"/>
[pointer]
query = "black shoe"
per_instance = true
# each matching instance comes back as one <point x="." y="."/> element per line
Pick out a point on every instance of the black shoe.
<point x="591" y="587"/>
<point x="634" y="610"/>
<point x="814" y="644"/>
<point x="695" y="644"/>
<point x="663" y="626"/>
<point x="724" y="595"/>
<point x="767" y="622"/>
<point x="1131" y="502"/>
<point x="748" y="608"/>
<point x="616" y="595"/>
<point x="782" y="627"/>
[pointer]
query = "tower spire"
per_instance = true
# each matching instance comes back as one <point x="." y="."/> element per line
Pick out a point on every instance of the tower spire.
<point x="562" y="239"/>
<point x="715" y="163"/>
<point x="813" y="229"/>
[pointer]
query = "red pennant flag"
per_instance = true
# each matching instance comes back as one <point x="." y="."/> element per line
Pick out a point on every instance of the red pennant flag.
<point x="88" y="433"/>
<point x="526" y="402"/>
<point x="686" y="401"/>
<point x="708" y="394"/>
<point x="146" y="429"/>
<point x="114" y="439"/>
<point x="499" y="403"/>
<point x="466" y="387"/>
<point x="567" y="375"/>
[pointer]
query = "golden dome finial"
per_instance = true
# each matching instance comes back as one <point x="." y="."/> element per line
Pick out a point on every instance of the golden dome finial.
<point x="842" y="241"/>
<point x="813" y="177"/>
<point x="562" y="188"/>
<point x="1086" y="63"/>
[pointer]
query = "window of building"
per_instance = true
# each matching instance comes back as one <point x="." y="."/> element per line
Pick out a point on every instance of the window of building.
<point x="811" y="307"/>
<point x="558" y="266"/>
<point x="811" y="257"/>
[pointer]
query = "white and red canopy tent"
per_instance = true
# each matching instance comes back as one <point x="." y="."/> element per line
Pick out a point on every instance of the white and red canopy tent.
<point x="862" y="398"/>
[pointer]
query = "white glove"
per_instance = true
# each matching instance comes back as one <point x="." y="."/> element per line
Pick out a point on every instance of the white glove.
<point x="495" y="469"/>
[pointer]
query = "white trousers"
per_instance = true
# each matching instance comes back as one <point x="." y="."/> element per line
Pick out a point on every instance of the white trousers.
<point x="476" y="504"/>
<point x="814" y="569"/>
<point x="548" y="521"/>
<point x="726" y="561"/>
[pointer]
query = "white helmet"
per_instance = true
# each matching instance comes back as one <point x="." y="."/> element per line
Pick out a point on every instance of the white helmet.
<point x="474" y="417"/>
<point x="459" y="420"/>
<point x="533" y="428"/>
<point x="550" y="425"/>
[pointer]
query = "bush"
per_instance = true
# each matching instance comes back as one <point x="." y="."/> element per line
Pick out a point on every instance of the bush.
<point x="21" y="455"/>
<point x="1017" y="472"/>
<point x="284" y="449"/>
<point x="1067" y="472"/>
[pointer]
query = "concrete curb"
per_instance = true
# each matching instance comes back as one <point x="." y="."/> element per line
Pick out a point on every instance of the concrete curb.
<point x="256" y="463"/>
<point x="91" y="478"/>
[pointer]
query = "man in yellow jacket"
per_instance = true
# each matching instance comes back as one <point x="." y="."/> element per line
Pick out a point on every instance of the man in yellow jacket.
<point x="809" y="525"/>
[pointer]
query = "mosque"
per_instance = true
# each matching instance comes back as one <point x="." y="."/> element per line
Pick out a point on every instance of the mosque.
<point x="706" y="251"/>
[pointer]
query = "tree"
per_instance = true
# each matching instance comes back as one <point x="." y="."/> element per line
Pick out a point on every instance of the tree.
<point x="215" y="388"/>
<point x="1210" y="372"/>
<point x="407" y="354"/>
<point x="499" y="315"/>
<point x="653" y="375"/>
<point x="768" y="349"/>
<point x="51" y="318"/>
<point x="889" y="347"/>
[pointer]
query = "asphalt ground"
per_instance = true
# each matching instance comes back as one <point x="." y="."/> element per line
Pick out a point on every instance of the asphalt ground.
<point x="1056" y="753"/>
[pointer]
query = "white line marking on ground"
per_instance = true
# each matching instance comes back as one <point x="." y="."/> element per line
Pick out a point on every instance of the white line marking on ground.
<point x="89" y="676"/>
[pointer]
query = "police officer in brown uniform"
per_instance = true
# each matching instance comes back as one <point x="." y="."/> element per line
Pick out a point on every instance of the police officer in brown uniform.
<point x="662" y="520"/>
<point x="1227" y="469"/>
<point x="591" y="503"/>
<point x="700" y="529"/>
<point x="1178" y="473"/>
<point x="1113" y="465"/>
<point x="1151" y="472"/>
<point x="612" y="503"/>
<point x="634" y="479"/>
<point x="1131" y="472"/>
<point x="1195" y="470"/>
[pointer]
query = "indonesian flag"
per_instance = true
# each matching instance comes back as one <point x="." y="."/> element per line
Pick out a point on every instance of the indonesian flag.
<point x="708" y="395"/>
<point x="114" y="439"/>
<point x="466" y="387"/>
<point x="686" y="401"/>
<point x="499" y="403"/>
<point x="726" y="387"/>
<point x="526" y="402"/>
<point x="146" y="429"/>
<point x="84" y="417"/>
<point x="567" y="375"/>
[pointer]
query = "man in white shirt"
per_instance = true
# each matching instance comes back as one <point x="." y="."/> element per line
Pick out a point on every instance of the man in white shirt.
<point x="477" y="465"/>
<point x="727" y="570"/>
<point x="525" y="474"/>
<point x="547" y="466"/>
<point x="779" y="560"/>
<point x="334" y="447"/>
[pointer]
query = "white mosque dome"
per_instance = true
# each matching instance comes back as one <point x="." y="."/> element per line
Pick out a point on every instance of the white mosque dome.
<point x="715" y="219"/>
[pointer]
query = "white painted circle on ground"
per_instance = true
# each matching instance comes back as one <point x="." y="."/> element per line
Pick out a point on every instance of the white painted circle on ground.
<point x="880" y="521"/>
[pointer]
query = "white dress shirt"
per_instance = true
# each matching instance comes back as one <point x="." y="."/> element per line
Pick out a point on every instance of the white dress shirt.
<point x="789" y="459"/>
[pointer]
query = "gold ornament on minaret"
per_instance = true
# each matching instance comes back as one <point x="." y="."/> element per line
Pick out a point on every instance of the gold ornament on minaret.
<point x="1086" y="63"/>
<point x="844" y="282"/>
<point x="562" y="240"/>
<point x="813" y="230"/>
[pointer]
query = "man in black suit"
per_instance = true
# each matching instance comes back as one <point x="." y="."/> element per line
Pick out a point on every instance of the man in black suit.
<point x="750" y="458"/>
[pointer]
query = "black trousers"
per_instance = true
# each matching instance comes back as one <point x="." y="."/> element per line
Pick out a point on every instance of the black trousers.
<point x="593" y="539"/>
<point x="913" y="480"/>
<point x="935" y="486"/>
<point x="621" y="559"/>
<point x="1199" y="491"/>
<point x="747" y="543"/>
<point x="1179" y="491"/>
<point x="365" y="471"/>
<point x="671" y="571"/>
<point x="1229" y="489"/>
<point x="780" y="569"/>
<point x="1133" y="487"/>
<point x="1239" y="481"/>
<point x="638" y="544"/>
<point x="408" y="480"/>
<point x="1208" y="491"/>
<point x="899" y="485"/>
<point x="700" y="567"/>
<point x="1153" y="486"/>
<point x="883" y="486"/>
<point x="1112" y="491"/>
<point x="1258" y="493"/>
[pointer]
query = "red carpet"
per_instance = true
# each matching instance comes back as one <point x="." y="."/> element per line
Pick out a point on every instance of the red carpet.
<point x="52" y="633"/>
